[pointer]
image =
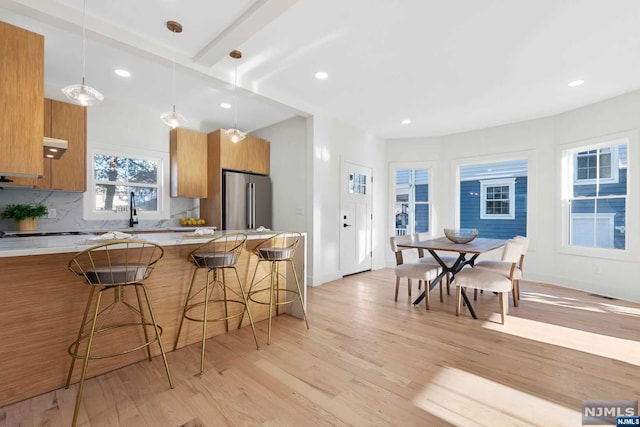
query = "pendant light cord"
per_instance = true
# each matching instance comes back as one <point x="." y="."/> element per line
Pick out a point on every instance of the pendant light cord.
<point x="174" y="70"/>
<point x="84" y="39"/>
<point x="235" y="93"/>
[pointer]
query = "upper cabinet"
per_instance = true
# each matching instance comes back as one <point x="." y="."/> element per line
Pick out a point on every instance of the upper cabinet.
<point x="188" y="150"/>
<point x="68" y="122"/>
<point x="257" y="155"/>
<point x="248" y="155"/>
<point x="21" y="94"/>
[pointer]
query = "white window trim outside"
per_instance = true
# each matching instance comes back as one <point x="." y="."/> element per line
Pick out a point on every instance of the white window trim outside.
<point x="393" y="167"/>
<point x="615" y="167"/>
<point x="484" y="184"/>
<point x="163" y="185"/>
<point x="609" y="217"/>
<point x="566" y="173"/>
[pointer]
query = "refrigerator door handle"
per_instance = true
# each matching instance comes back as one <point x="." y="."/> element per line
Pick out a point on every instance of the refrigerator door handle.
<point x="251" y="206"/>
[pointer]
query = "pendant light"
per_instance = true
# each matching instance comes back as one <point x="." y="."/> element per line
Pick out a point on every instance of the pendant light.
<point x="172" y="118"/>
<point x="235" y="134"/>
<point x="83" y="94"/>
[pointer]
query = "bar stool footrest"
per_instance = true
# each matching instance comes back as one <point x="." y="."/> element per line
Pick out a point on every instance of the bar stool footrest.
<point x="152" y="340"/>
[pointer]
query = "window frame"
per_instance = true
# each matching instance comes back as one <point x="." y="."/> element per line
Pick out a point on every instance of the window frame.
<point x="615" y="166"/>
<point x="431" y="169"/>
<point x="162" y="158"/>
<point x="566" y="174"/>
<point x="499" y="182"/>
<point x="532" y="197"/>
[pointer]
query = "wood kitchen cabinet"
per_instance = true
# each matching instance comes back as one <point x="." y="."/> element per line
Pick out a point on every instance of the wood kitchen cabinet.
<point x="21" y="94"/>
<point x="188" y="150"/>
<point x="248" y="155"/>
<point x="66" y="121"/>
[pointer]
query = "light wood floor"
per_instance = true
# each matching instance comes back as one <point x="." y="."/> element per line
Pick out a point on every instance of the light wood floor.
<point x="368" y="360"/>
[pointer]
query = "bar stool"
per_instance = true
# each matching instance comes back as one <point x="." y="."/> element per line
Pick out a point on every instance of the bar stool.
<point x="276" y="250"/>
<point x="113" y="266"/>
<point x="215" y="257"/>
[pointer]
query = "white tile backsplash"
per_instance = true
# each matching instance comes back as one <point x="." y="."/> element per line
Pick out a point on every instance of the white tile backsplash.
<point x="69" y="207"/>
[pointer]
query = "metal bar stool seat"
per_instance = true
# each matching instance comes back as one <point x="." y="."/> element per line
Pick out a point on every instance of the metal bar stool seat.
<point x="114" y="266"/>
<point x="214" y="257"/>
<point x="276" y="250"/>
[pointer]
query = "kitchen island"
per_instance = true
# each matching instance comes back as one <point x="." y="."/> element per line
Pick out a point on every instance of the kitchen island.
<point x="42" y="304"/>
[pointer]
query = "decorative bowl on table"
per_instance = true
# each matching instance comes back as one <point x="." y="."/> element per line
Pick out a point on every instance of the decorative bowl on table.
<point x="461" y="235"/>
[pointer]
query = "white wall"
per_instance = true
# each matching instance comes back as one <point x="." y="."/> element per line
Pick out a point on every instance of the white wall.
<point x="333" y="143"/>
<point x="288" y="171"/>
<point x="541" y="139"/>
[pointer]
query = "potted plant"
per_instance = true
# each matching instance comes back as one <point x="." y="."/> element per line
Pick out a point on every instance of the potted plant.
<point x="25" y="215"/>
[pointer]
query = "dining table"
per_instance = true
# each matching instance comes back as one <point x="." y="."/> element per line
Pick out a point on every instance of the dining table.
<point x="467" y="255"/>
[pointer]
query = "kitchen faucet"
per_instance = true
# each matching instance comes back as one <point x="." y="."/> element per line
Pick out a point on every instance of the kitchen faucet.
<point x="133" y="215"/>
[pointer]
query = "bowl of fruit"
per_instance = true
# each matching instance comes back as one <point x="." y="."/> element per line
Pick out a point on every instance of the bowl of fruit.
<point x="192" y="222"/>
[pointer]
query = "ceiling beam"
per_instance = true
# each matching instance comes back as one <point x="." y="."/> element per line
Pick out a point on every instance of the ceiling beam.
<point x="257" y="16"/>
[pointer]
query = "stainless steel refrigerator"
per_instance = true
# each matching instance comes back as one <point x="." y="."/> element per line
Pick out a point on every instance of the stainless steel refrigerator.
<point x="246" y="201"/>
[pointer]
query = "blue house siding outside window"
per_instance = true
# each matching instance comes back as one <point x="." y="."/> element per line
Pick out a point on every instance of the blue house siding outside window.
<point x="470" y="208"/>
<point x="494" y="199"/>
<point x="598" y="204"/>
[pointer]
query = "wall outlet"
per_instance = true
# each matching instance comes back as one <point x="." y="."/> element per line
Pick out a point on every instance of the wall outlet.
<point x="188" y="214"/>
<point x="299" y="211"/>
<point x="52" y="213"/>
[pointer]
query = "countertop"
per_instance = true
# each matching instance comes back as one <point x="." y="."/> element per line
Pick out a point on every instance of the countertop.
<point x="39" y="245"/>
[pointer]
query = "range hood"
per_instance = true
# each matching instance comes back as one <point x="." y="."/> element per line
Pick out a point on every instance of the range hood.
<point x="54" y="148"/>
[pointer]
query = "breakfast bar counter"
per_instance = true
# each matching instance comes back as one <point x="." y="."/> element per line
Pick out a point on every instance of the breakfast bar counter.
<point x="42" y="304"/>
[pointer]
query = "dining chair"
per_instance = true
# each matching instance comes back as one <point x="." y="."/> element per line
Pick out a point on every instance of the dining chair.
<point x="426" y="257"/>
<point x="504" y="267"/>
<point x="420" y="271"/>
<point x="487" y="280"/>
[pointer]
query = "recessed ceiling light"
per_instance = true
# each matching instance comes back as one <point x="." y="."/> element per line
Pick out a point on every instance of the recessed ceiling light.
<point x="576" y="83"/>
<point x="122" y="73"/>
<point x="225" y="105"/>
<point x="321" y="75"/>
<point x="406" y="121"/>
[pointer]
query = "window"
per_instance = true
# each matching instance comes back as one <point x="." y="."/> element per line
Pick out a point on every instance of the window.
<point x="498" y="199"/>
<point x="357" y="183"/>
<point x="411" y="201"/>
<point x="598" y="163"/>
<point x="115" y="176"/>
<point x="596" y="195"/>
<point x="493" y="198"/>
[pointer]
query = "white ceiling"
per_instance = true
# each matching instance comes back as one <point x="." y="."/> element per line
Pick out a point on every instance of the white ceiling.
<point x="449" y="66"/>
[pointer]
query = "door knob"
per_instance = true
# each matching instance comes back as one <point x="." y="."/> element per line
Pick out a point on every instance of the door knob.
<point x="346" y="225"/>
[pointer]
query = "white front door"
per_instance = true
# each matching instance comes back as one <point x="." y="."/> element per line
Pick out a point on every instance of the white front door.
<point x="355" y="221"/>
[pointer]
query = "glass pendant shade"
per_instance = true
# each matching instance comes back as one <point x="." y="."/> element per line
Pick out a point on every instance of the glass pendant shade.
<point x="173" y="119"/>
<point x="83" y="94"/>
<point x="235" y="135"/>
